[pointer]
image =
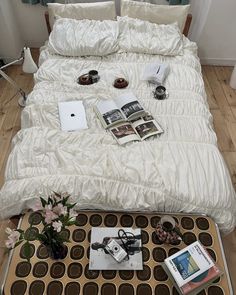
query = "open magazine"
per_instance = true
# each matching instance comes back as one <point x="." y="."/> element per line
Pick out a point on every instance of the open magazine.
<point x="126" y="119"/>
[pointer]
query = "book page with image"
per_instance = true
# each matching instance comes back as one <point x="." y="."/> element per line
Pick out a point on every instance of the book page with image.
<point x="129" y="105"/>
<point x="124" y="133"/>
<point x="146" y="127"/>
<point x="109" y="113"/>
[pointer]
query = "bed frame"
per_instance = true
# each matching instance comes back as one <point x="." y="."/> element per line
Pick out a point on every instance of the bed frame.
<point x="185" y="31"/>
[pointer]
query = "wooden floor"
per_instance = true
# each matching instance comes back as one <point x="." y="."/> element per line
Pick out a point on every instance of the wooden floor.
<point x="222" y="102"/>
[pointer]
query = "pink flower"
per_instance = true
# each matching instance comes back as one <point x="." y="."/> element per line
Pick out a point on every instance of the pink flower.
<point x="13" y="238"/>
<point x="60" y="210"/>
<point x="72" y="215"/>
<point x="57" y="225"/>
<point x="37" y="206"/>
<point x="49" y="214"/>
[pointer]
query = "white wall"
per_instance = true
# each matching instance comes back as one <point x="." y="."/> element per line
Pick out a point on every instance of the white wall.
<point x="213" y="27"/>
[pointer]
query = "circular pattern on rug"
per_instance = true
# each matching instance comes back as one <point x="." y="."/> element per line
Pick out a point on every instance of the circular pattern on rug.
<point x="42" y="252"/>
<point x="65" y="234"/>
<point x="187" y="223"/>
<point x="109" y="274"/>
<point x="205" y="239"/>
<point x="77" y="252"/>
<point x="37" y="288"/>
<point x="126" y="274"/>
<point x="90" y="274"/>
<point x="108" y="289"/>
<point x="189" y="238"/>
<point x="172" y="251"/>
<point x="144" y="289"/>
<point x="31" y="233"/>
<point x="95" y="220"/>
<point x="155" y="239"/>
<point x="90" y="289"/>
<point x="110" y="220"/>
<point x="212" y="254"/>
<point x="159" y="273"/>
<point x="146" y="254"/>
<point x="81" y="219"/>
<point x="18" y="287"/>
<point x="162" y="290"/>
<point x="72" y="288"/>
<point x="40" y="269"/>
<point x="55" y="288"/>
<point x="126" y="220"/>
<point x="125" y="289"/>
<point x="141" y="221"/>
<point x="145" y="274"/>
<point x="74" y="270"/>
<point x="215" y="290"/>
<point x="144" y="237"/>
<point x="202" y="223"/>
<point x="23" y="269"/>
<point x="155" y="220"/>
<point x="79" y="235"/>
<point x="159" y="254"/>
<point x="35" y="218"/>
<point x="174" y="291"/>
<point x="23" y="251"/>
<point x="57" y="270"/>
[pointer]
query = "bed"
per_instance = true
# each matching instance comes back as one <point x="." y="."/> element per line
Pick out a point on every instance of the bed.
<point x="180" y="171"/>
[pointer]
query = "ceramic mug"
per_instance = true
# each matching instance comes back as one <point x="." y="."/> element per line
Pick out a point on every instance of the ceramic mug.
<point x="160" y="92"/>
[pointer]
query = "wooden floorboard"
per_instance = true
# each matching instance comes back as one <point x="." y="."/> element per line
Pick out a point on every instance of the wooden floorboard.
<point x="222" y="103"/>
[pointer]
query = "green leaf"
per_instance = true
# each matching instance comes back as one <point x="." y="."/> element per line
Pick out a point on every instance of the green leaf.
<point x="44" y="203"/>
<point x="18" y="243"/>
<point x="70" y="206"/>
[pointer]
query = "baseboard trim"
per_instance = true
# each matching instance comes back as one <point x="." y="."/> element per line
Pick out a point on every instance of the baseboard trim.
<point x="218" y="61"/>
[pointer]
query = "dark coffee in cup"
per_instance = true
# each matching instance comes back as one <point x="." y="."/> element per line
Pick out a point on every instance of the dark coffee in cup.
<point x="160" y="92"/>
<point x="93" y="74"/>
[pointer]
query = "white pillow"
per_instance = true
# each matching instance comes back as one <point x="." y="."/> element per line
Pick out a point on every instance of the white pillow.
<point x="94" y="11"/>
<point x="144" y="37"/>
<point x="159" y="14"/>
<point x="71" y="37"/>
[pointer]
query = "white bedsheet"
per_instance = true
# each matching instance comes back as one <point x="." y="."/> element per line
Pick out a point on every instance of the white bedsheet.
<point x="180" y="171"/>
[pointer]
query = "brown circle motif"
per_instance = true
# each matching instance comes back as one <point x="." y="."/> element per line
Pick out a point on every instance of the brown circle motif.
<point x="205" y="239"/>
<point x="90" y="274"/>
<point x="57" y="270"/>
<point x="42" y="252"/>
<point x="155" y="239"/>
<point x="108" y="274"/>
<point x="126" y="274"/>
<point x="72" y="288"/>
<point x="126" y="220"/>
<point x="159" y="273"/>
<point x="90" y="289"/>
<point x="162" y="289"/>
<point x="189" y="238"/>
<point x="31" y="233"/>
<point x="81" y="220"/>
<point x="155" y="220"/>
<point x="215" y="290"/>
<point x="35" y="218"/>
<point x="146" y="254"/>
<point x="77" y="252"/>
<point x="37" y="288"/>
<point x="144" y="237"/>
<point x="65" y="234"/>
<point x="145" y="274"/>
<point x="144" y="289"/>
<point x="23" y="269"/>
<point x="18" y="287"/>
<point x="79" y="235"/>
<point x="125" y="289"/>
<point x="23" y="251"/>
<point x="172" y="251"/>
<point x="212" y="254"/>
<point x="110" y="220"/>
<point x="95" y="220"/>
<point x="74" y="270"/>
<point x="40" y="269"/>
<point x="108" y="289"/>
<point x="187" y="223"/>
<point x="202" y="223"/>
<point x="55" y="288"/>
<point x="141" y="221"/>
<point x="159" y="254"/>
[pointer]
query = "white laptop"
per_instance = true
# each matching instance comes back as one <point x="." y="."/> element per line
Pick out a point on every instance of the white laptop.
<point x="72" y="115"/>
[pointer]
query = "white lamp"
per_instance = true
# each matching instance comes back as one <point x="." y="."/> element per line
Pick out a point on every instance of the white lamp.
<point x="29" y="66"/>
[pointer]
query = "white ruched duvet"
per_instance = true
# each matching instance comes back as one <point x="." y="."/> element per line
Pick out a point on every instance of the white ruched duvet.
<point x="180" y="171"/>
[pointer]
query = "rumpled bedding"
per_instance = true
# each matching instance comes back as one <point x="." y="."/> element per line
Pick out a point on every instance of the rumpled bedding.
<point x="180" y="171"/>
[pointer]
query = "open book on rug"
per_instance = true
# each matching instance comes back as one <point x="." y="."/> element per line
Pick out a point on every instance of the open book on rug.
<point x="126" y="119"/>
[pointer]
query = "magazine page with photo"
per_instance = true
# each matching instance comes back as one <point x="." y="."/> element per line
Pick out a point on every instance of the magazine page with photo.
<point x="146" y="127"/>
<point x="124" y="133"/>
<point x="130" y="106"/>
<point x="108" y="113"/>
